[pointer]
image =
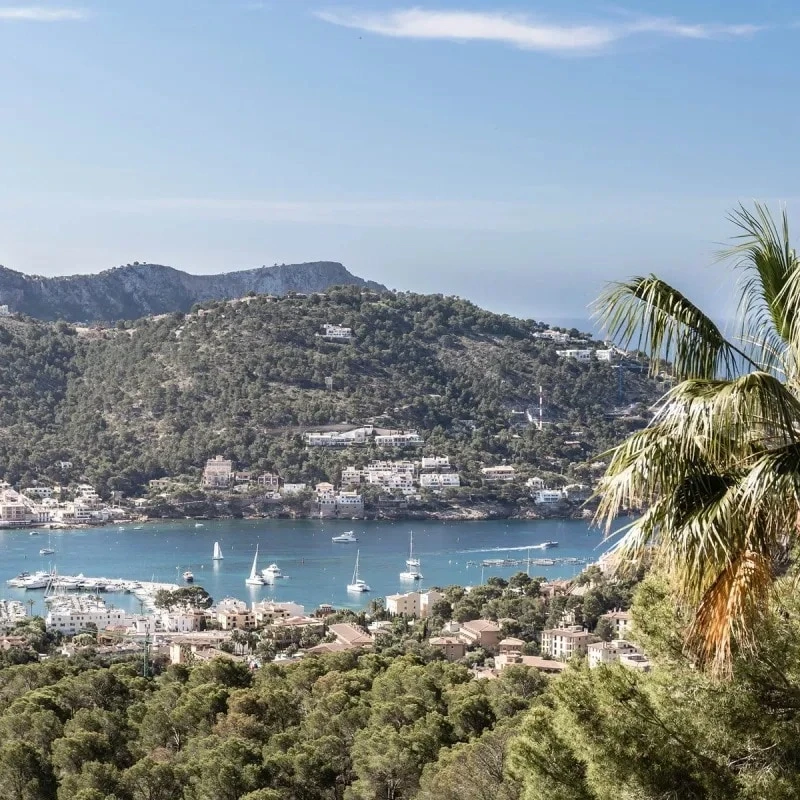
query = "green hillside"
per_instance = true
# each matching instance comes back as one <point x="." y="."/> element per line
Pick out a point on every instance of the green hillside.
<point x="160" y="395"/>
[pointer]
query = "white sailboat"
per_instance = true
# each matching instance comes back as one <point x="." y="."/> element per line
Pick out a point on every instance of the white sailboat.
<point x="412" y="572"/>
<point x="217" y="552"/>
<point x="357" y="585"/>
<point x="411" y="561"/>
<point x="47" y="551"/>
<point x="255" y="579"/>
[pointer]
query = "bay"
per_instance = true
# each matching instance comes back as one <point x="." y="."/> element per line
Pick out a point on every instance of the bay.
<point x="317" y="569"/>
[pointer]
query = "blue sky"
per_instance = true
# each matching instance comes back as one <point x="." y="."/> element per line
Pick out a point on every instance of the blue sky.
<point x="517" y="154"/>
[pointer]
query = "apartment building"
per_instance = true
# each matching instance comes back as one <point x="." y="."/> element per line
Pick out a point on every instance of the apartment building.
<point x="564" y="643"/>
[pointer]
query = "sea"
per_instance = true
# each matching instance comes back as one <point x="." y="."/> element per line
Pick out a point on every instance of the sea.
<point x="317" y="570"/>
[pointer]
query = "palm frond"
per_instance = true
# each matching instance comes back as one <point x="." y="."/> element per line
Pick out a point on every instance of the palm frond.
<point x="768" y="307"/>
<point x="665" y="324"/>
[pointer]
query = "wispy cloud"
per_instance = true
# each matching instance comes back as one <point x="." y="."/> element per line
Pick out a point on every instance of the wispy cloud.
<point x="39" y="14"/>
<point x="523" y="31"/>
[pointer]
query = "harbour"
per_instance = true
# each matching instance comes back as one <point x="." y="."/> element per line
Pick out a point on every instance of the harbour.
<point x="314" y="568"/>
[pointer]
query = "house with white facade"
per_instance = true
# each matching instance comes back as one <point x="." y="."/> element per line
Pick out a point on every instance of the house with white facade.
<point x="293" y="488"/>
<point x="582" y="355"/>
<point x="502" y="474"/>
<point x="436" y="480"/>
<point x="610" y="652"/>
<point x="398" y="439"/>
<point x="435" y="462"/>
<point x="563" y="643"/>
<point x="38" y="491"/>
<point x="549" y="497"/>
<point x="337" y="333"/>
<point x="356" y="436"/>
<point x="621" y="620"/>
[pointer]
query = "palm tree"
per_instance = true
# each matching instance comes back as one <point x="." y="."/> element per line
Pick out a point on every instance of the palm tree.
<point x="717" y="471"/>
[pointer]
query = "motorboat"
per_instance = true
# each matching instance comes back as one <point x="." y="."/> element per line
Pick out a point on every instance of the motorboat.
<point x="217" y="552"/>
<point x="39" y="580"/>
<point x="33" y="533"/>
<point x="255" y="579"/>
<point x="345" y="538"/>
<point x="357" y="585"/>
<point x="271" y="573"/>
<point x="198" y="524"/>
<point x="188" y="576"/>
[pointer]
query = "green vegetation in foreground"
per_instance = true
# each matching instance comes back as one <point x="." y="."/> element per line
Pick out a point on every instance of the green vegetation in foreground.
<point x="161" y="395"/>
<point x="403" y="724"/>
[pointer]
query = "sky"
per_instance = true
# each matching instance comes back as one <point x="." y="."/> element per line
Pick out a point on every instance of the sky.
<point x="517" y="154"/>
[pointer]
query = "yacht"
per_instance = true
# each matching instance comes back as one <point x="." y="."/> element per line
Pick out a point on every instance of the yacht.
<point x="255" y="579"/>
<point x="188" y="576"/>
<point x="413" y="564"/>
<point x="271" y="573"/>
<point x="345" y="538"/>
<point x="357" y="584"/>
<point x="47" y="551"/>
<point x="39" y="580"/>
<point x="217" y="552"/>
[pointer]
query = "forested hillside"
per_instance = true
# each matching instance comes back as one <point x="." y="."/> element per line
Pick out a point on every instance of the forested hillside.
<point x="245" y="378"/>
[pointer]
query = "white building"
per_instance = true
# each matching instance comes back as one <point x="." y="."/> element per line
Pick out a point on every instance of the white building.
<point x="337" y="333"/>
<point x="435" y="462"/>
<point x="352" y="476"/>
<point x="267" y="611"/>
<point x="38" y="491"/>
<point x="63" y="465"/>
<point x="398" y="439"/>
<point x="80" y="613"/>
<point x="339" y="439"/>
<point x="535" y="483"/>
<point x="349" y="501"/>
<point x="430" y="480"/>
<point x="610" y="652"/>
<point x="578" y="355"/>
<point x="182" y="620"/>
<point x="4" y="310"/>
<point x="564" y="643"/>
<point x="427" y="600"/>
<point x="553" y="336"/>
<point x="605" y="355"/>
<point x="501" y="474"/>
<point x="293" y="488"/>
<point x="549" y="497"/>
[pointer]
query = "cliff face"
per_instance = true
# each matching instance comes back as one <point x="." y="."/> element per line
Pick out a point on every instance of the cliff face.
<point x="140" y="289"/>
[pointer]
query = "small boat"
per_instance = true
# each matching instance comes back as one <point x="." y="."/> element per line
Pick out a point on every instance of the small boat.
<point x="357" y="584"/>
<point x="47" y="551"/>
<point x="345" y="538"/>
<point x="271" y="573"/>
<point x="198" y="524"/>
<point x="255" y="579"/>
<point x="217" y="552"/>
<point x="188" y="576"/>
<point x="33" y="533"/>
<point x="138" y="527"/>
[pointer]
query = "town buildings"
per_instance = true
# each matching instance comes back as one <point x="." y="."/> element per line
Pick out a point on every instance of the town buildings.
<point x="610" y="652"/>
<point x="336" y="333"/>
<point x="452" y="647"/>
<point x="502" y="474"/>
<point x="480" y="633"/>
<point x="412" y="604"/>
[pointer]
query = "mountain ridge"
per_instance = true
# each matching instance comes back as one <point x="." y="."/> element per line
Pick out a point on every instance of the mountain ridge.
<point x="141" y="289"/>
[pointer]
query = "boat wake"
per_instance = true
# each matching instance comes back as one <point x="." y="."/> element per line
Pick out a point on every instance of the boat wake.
<point x="540" y="546"/>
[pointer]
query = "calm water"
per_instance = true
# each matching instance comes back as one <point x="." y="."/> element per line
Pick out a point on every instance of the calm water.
<point x="317" y="570"/>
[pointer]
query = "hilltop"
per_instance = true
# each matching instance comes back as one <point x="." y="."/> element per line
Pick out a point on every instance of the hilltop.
<point x="136" y="290"/>
<point x="245" y="378"/>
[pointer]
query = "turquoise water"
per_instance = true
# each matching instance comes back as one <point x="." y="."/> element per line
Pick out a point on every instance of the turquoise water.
<point x="318" y="570"/>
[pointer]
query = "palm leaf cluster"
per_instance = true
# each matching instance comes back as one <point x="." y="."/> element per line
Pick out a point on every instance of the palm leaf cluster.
<point x="716" y="474"/>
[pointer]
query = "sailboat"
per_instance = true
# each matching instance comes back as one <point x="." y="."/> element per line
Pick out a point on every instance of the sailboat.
<point x="47" y="551"/>
<point x="357" y="585"/>
<point x="413" y="564"/>
<point x="255" y="579"/>
<point x="217" y="552"/>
